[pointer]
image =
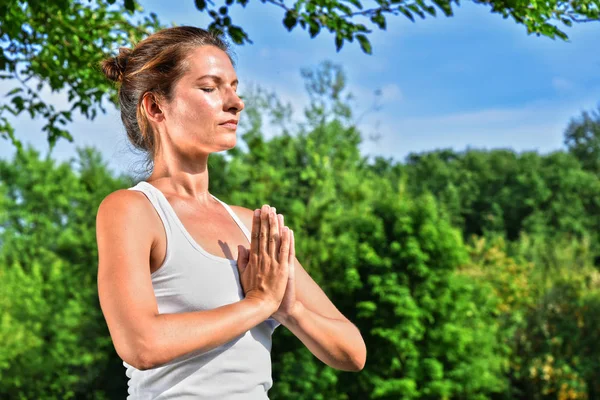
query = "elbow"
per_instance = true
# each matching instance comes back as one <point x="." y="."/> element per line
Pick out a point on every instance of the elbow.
<point x="360" y="364"/>
<point x="359" y="359"/>
<point x="140" y="356"/>
<point x="143" y="362"/>
<point x="146" y="356"/>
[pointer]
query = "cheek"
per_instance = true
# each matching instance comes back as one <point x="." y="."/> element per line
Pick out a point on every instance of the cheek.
<point x="201" y="109"/>
<point x="196" y="108"/>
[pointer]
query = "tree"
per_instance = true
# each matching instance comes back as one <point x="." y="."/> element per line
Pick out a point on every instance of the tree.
<point x="58" y="46"/>
<point x="582" y="138"/>
<point x="339" y="17"/>
<point x="502" y="192"/>
<point x="57" y="345"/>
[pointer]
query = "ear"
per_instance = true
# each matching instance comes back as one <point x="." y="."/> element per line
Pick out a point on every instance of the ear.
<point x="152" y="107"/>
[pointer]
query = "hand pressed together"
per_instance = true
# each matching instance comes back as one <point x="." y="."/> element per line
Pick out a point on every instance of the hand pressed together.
<point x="267" y="270"/>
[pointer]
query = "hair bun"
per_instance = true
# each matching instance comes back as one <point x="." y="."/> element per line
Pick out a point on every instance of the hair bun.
<point x="114" y="67"/>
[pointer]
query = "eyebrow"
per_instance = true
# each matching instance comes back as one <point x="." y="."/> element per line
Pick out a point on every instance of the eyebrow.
<point x="217" y="79"/>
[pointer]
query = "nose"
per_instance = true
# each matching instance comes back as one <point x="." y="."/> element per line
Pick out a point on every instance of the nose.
<point x="234" y="102"/>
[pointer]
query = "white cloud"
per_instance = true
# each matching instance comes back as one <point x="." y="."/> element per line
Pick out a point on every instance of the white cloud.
<point x="561" y="84"/>
<point x="391" y="92"/>
<point x="538" y="126"/>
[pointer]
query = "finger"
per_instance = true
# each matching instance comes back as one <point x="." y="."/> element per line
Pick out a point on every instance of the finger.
<point x="292" y="251"/>
<point x="264" y="230"/>
<point x="273" y="232"/>
<point x="255" y="238"/>
<point x="284" y="251"/>
<point x="280" y="225"/>
<point x="276" y="232"/>
<point x="242" y="258"/>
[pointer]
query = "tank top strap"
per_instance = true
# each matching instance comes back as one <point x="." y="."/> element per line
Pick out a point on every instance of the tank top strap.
<point x="156" y="202"/>
<point x="235" y="218"/>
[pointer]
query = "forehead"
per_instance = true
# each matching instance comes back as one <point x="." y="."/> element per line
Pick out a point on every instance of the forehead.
<point x="210" y="60"/>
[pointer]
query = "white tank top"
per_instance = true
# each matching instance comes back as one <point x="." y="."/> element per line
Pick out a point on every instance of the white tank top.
<point x="191" y="279"/>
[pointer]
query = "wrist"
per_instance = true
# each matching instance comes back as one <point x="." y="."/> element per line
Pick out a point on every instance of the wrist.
<point x="262" y="303"/>
<point x="294" y="316"/>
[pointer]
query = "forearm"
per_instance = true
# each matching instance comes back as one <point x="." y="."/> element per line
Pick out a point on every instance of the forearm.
<point x="337" y="343"/>
<point x="174" y="335"/>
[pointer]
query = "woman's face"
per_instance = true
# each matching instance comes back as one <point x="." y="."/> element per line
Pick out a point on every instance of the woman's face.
<point x="203" y="100"/>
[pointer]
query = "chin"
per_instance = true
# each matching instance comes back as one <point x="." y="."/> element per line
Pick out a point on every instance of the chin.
<point x="228" y="145"/>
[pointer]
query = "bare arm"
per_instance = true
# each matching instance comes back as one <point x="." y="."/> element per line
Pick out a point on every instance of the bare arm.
<point x="126" y="228"/>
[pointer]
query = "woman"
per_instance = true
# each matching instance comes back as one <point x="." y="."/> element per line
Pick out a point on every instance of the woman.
<point x="190" y="297"/>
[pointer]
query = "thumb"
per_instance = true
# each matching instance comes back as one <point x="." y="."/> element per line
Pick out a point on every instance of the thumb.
<point x="242" y="258"/>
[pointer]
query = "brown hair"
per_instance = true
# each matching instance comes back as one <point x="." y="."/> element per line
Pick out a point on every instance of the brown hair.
<point x="154" y="66"/>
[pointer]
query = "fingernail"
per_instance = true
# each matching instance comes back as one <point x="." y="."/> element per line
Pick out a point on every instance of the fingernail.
<point x="274" y="210"/>
<point x="256" y="212"/>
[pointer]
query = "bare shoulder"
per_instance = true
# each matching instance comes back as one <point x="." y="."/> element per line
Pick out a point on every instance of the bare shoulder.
<point x="124" y="200"/>
<point x="126" y="209"/>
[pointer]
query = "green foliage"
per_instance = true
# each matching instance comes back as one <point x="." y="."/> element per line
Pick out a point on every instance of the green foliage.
<point x="58" y="45"/>
<point x="59" y="346"/>
<point x="582" y="138"/>
<point x="549" y="293"/>
<point x="502" y="192"/>
<point x="340" y="17"/>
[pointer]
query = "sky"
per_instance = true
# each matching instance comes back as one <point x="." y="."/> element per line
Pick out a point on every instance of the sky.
<point x="473" y="80"/>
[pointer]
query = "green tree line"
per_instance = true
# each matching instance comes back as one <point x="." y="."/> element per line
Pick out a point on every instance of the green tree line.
<point x="471" y="275"/>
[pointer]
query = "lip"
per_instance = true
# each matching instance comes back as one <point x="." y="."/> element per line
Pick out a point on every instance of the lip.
<point x="231" y="121"/>
<point x="231" y="124"/>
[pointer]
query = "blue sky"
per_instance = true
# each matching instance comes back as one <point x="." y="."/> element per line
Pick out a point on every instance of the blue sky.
<point x="472" y="80"/>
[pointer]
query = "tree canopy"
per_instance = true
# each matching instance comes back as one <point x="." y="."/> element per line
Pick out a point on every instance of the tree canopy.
<point x="341" y="17"/>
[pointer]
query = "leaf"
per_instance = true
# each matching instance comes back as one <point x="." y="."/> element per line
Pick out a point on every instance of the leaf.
<point x="430" y="10"/>
<point x="445" y="6"/>
<point x="414" y="8"/>
<point x="379" y="19"/>
<point x="364" y="44"/>
<point x="407" y="13"/>
<point x="356" y="3"/>
<point x="339" y="42"/>
<point x="345" y="9"/>
<point x="130" y="5"/>
<point x="290" y="20"/>
<point x="14" y="91"/>
<point x="567" y="21"/>
<point x="314" y="28"/>
<point x="200" y="4"/>
<point x="238" y="35"/>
